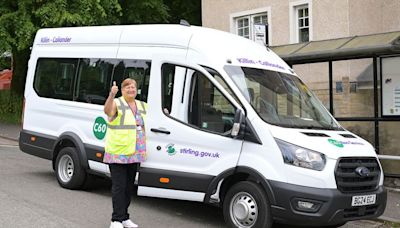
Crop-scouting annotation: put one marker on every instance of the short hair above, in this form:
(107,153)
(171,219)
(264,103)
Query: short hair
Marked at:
(127,82)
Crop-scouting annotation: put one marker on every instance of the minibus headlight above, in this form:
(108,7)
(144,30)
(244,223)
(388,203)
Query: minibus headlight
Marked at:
(301,157)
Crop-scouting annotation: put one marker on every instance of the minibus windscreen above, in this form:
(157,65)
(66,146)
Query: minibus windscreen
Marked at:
(281,99)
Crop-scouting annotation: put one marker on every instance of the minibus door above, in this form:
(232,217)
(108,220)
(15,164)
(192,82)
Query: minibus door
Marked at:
(189,132)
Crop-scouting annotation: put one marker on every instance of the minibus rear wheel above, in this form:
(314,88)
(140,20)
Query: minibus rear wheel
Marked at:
(246,205)
(70,174)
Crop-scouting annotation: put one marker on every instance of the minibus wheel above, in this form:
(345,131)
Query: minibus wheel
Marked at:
(70,174)
(246,205)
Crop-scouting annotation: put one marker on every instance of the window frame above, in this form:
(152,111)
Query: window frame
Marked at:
(302,20)
(294,20)
(250,15)
(339,87)
(59,61)
(243,28)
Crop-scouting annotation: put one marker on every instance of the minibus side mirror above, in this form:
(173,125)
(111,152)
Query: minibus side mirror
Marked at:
(237,123)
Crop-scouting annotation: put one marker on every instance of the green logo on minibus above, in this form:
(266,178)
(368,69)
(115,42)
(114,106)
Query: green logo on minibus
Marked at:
(336,143)
(170,149)
(100,128)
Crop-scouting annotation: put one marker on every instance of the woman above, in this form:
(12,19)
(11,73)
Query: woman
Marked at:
(125,147)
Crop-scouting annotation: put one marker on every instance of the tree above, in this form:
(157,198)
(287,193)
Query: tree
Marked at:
(19,21)
(189,10)
(143,12)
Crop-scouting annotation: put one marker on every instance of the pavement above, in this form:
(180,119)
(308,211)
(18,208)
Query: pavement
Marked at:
(10,132)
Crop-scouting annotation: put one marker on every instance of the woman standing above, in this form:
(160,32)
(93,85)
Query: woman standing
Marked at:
(125,147)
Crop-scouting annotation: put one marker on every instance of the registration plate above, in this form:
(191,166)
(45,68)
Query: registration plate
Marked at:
(363,200)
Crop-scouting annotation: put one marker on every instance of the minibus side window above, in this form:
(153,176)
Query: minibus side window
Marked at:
(168,77)
(93,81)
(54,78)
(173,89)
(211,110)
(189,97)
(139,70)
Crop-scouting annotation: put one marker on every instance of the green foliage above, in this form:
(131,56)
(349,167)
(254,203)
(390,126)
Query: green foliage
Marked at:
(144,12)
(5,63)
(10,107)
(19,20)
(391,224)
(190,10)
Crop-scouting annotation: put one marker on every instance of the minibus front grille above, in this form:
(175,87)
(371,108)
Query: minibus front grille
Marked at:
(349,179)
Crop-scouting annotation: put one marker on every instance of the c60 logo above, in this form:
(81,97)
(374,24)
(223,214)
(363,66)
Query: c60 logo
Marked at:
(100,128)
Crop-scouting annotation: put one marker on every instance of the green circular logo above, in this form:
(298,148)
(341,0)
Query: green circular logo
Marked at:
(100,128)
(335,142)
(170,149)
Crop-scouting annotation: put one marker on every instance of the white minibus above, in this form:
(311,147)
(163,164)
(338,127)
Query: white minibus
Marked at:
(229,123)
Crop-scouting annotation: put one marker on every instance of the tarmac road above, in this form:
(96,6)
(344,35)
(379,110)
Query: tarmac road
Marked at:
(31,197)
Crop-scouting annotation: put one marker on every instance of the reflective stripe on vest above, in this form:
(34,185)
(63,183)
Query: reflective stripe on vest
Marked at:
(123,109)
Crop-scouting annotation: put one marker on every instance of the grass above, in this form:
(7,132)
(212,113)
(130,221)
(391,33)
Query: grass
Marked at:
(391,224)
(10,107)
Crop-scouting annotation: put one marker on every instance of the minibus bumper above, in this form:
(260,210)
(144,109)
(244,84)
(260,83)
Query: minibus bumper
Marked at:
(322,206)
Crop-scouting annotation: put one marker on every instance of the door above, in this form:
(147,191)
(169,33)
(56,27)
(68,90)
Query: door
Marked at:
(188,128)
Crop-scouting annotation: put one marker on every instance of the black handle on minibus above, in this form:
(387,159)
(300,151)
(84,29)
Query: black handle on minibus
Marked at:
(160,131)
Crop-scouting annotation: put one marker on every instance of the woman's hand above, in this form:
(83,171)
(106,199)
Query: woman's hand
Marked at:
(114,89)
(110,108)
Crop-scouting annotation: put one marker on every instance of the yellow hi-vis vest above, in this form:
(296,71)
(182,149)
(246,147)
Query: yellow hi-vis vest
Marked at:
(121,132)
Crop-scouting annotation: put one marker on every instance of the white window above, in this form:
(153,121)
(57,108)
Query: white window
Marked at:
(303,26)
(301,21)
(252,25)
(243,27)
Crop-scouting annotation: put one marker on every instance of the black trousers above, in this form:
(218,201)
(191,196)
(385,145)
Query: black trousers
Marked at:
(122,177)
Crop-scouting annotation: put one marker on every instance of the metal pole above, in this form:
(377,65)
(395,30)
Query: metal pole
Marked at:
(330,88)
(376,111)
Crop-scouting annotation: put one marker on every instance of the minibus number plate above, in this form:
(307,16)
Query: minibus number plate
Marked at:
(363,200)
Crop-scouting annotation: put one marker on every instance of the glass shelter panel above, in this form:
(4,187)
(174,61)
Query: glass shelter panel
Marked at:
(389,139)
(364,129)
(316,77)
(354,92)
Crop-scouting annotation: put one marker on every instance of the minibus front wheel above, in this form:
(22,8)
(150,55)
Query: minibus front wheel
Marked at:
(70,174)
(246,205)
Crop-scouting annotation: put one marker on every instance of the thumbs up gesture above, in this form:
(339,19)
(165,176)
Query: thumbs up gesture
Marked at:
(114,89)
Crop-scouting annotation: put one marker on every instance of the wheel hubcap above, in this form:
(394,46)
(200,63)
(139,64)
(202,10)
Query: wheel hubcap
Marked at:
(66,168)
(243,210)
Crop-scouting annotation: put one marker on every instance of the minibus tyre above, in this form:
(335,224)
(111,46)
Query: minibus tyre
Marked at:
(70,174)
(246,205)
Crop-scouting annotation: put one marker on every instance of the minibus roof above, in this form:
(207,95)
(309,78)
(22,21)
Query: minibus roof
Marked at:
(218,47)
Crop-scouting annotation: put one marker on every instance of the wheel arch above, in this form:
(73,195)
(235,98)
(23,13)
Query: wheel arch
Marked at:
(70,139)
(235,175)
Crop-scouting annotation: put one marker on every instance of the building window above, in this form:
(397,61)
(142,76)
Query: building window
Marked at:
(353,87)
(260,19)
(252,24)
(253,27)
(243,27)
(300,13)
(339,87)
(303,23)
